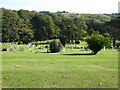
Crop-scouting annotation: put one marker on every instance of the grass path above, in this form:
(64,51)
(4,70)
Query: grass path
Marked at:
(23,69)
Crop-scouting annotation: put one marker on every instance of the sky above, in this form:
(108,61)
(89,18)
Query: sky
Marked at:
(73,6)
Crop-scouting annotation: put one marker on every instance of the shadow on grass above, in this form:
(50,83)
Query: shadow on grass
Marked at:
(74,53)
(49,52)
(44,52)
(80,54)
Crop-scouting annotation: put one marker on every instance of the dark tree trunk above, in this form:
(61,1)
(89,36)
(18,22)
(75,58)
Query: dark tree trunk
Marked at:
(114,43)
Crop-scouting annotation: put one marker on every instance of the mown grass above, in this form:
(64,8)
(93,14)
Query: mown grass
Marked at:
(69,69)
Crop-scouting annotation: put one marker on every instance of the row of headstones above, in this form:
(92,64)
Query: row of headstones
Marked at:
(73,47)
(84,48)
(30,45)
(9,48)
(6,49)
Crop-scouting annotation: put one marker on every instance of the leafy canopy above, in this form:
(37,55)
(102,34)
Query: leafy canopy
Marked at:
(96,42)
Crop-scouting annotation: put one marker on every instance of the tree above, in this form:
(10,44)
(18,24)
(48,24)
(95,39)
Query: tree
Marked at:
(73,28)
(66,27)
(96,25)
(63,40)
(10,26)
(96,42)
(80,30)
(57,17)
(44,27)
(25,32)
(114,29)
(16,27)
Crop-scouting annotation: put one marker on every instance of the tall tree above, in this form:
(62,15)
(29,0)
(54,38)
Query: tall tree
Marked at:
(26,32)
(81,27)
(10,26)
(44,27)
(114,29)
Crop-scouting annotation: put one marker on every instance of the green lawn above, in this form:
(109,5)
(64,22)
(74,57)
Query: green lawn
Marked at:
(69,69)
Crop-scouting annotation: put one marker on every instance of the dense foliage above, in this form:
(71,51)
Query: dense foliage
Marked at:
(96,42)
(114,29)
(26,26)
(55,46)
(16,26)
(63,40)
(44,27)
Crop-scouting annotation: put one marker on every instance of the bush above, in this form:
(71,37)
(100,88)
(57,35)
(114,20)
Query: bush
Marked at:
(77,42)
(55,46)
(4,49)
(96,42)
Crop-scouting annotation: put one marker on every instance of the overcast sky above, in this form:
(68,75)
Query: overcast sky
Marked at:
(77,6)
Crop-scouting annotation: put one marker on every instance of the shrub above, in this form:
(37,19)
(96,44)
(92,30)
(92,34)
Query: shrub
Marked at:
(77,42)
(55,46)
(4,49)
(96,42)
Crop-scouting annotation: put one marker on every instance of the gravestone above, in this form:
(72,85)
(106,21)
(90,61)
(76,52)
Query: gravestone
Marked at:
(9,49)
(29,45)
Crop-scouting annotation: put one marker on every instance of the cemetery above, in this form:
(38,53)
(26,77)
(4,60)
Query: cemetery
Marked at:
(59,50)
(33,65)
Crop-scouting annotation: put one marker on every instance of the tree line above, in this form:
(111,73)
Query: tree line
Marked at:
(26,26)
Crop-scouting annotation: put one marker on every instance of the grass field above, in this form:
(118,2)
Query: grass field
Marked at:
(69,69)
